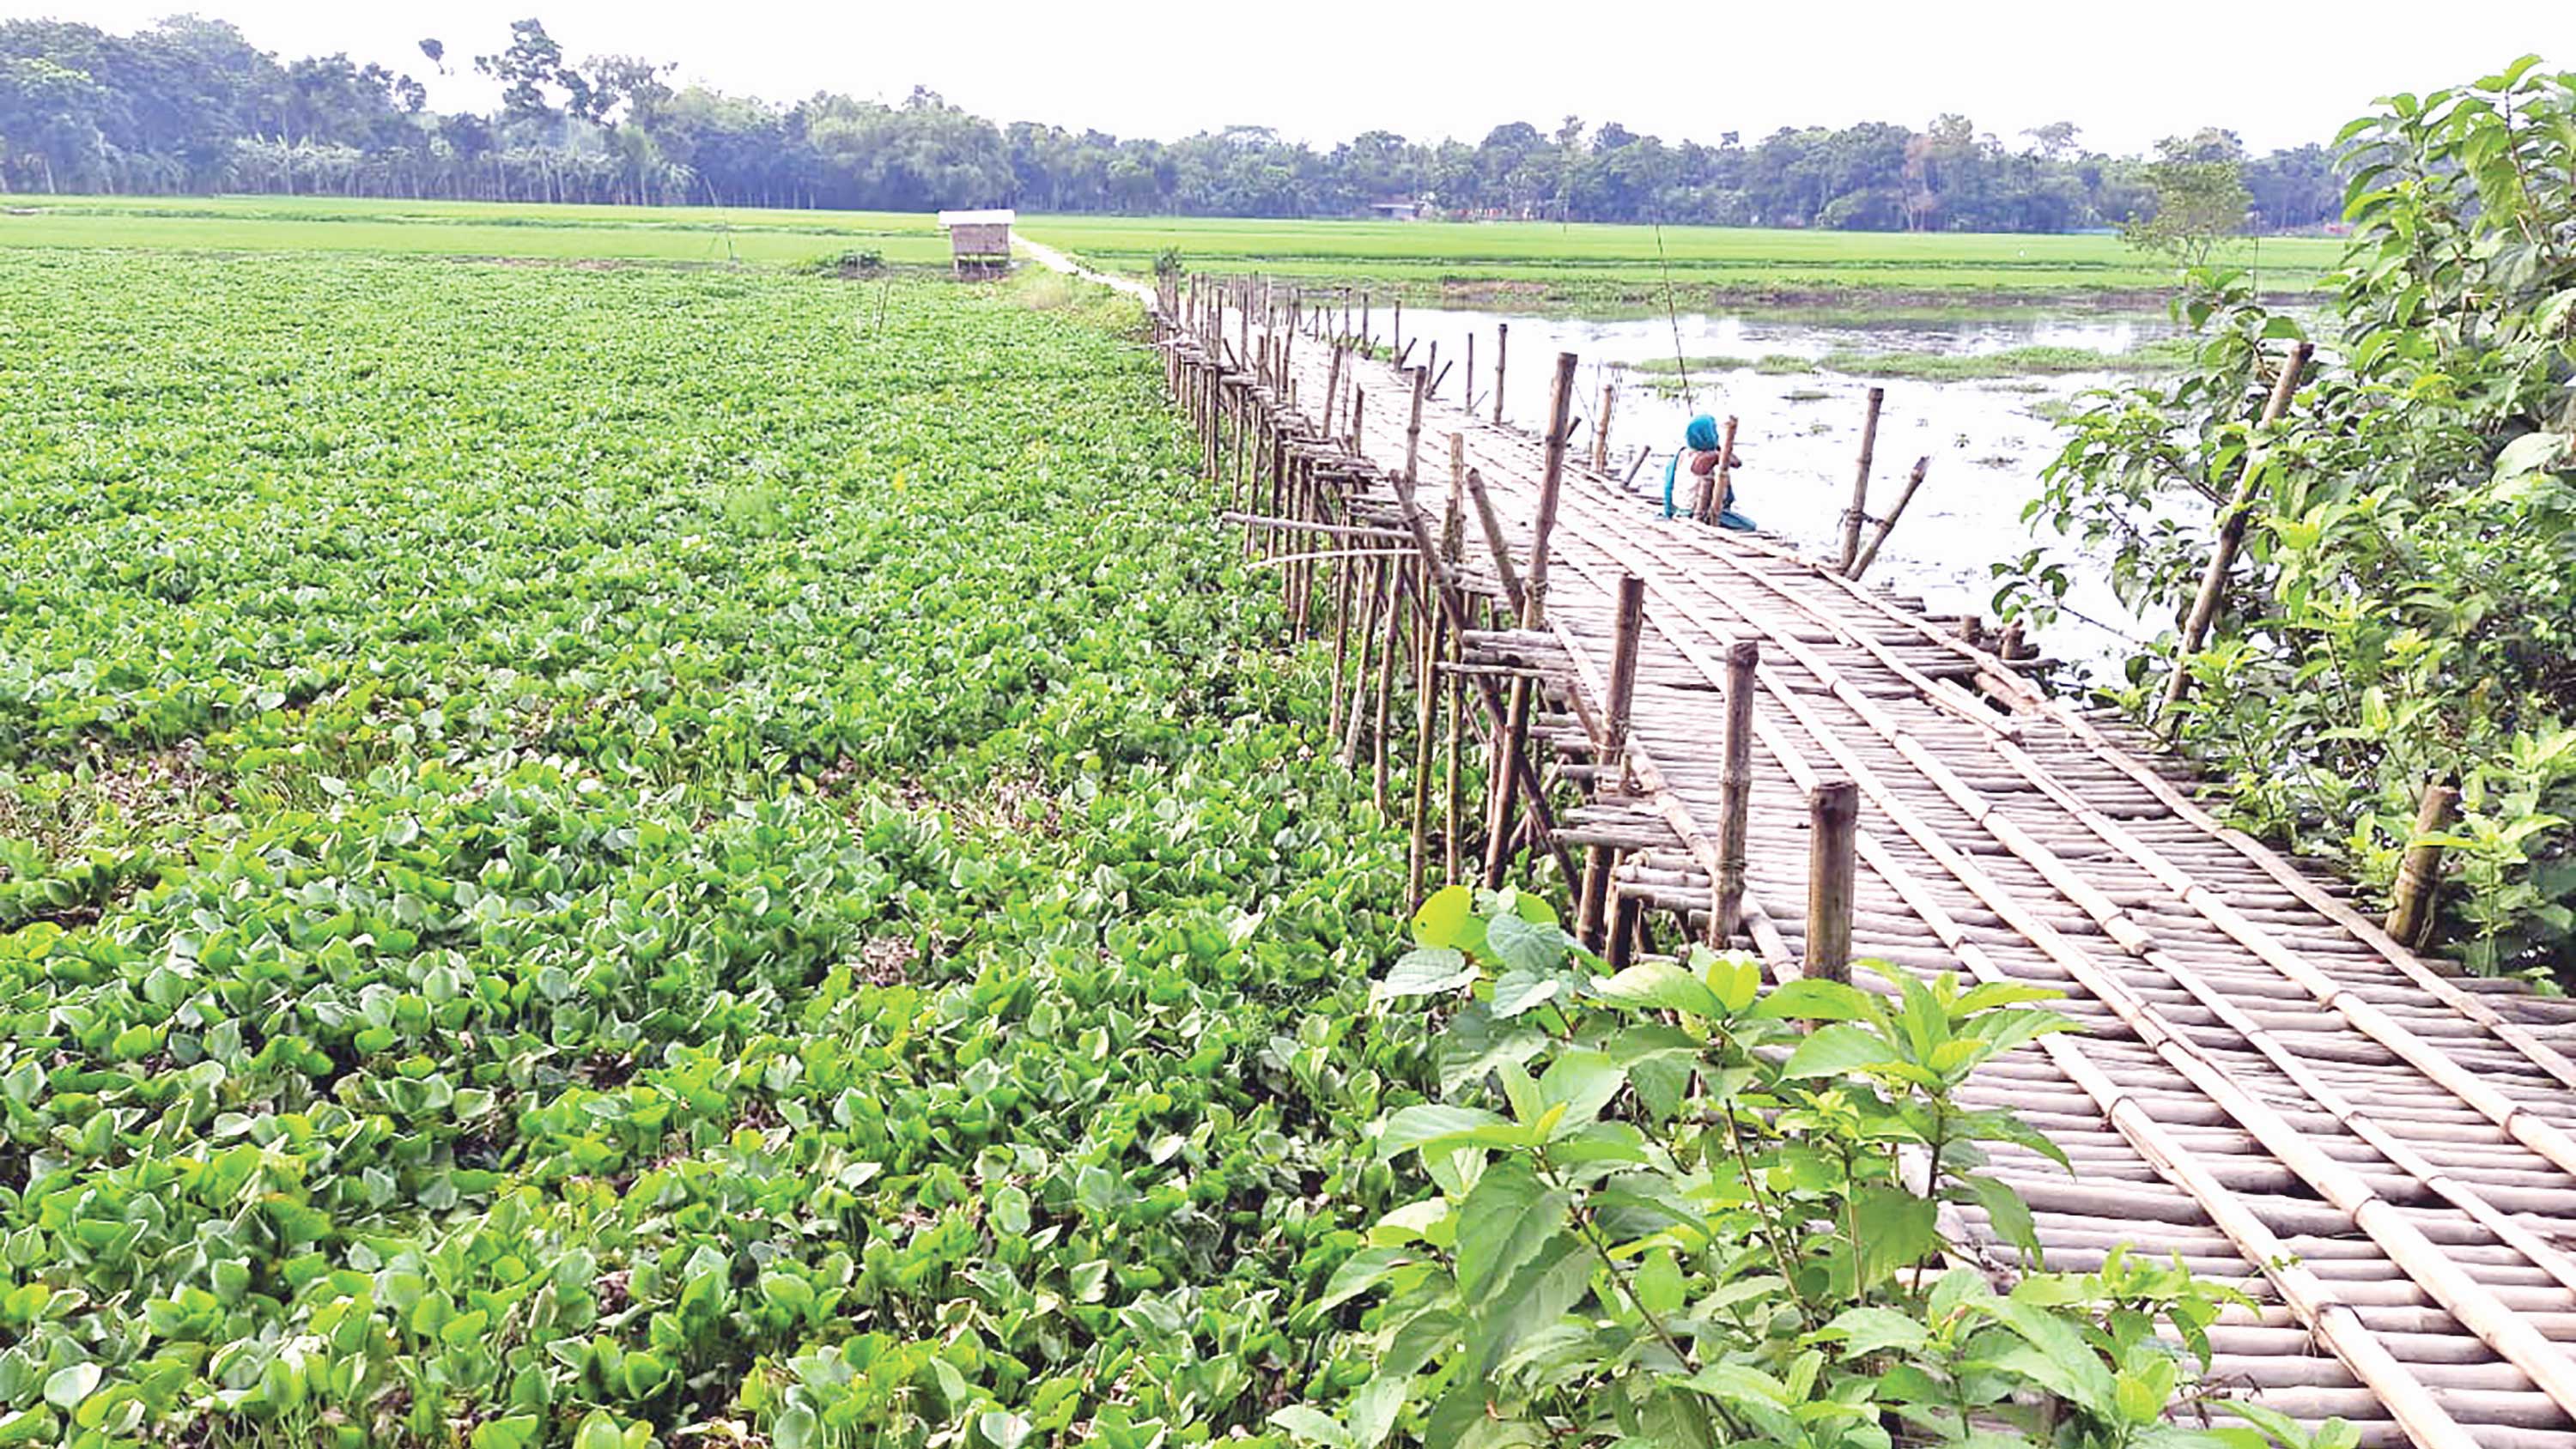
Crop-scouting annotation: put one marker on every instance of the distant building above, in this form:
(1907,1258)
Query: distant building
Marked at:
(1396,210)
(979,242)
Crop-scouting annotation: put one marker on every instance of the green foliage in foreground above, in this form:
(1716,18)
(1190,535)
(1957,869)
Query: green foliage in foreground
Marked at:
(1672,1208)
(2405,608)
(591,847)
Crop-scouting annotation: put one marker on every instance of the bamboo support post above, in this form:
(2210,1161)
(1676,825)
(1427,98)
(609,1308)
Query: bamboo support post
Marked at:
(1453,786)
(1426,708)
(1601,429)
(1502,345)
(1550,485)
(1887,525)
(1735,791)
(1332,389)
(1398,342)
(1833,816)
(1600,862)
(1356,718)
(1469,381)
(1413,431)
(1858,513)
(2419,876)
(2231,532)
(1397,579)
(1453,522)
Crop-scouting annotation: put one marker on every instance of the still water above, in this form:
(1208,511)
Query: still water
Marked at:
(1799,436)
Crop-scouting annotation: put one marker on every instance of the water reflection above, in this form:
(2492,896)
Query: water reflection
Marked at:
(1799,434)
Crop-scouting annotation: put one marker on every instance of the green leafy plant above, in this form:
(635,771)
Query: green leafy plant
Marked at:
(1672,1206)
(2404,609)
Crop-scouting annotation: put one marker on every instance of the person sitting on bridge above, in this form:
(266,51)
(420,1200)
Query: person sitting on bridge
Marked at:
(1700,440)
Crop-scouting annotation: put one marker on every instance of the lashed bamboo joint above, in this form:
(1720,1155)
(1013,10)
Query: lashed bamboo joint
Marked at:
(2268,1085)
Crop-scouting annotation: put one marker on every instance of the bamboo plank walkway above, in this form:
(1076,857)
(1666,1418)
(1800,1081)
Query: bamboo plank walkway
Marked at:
(2381,1155)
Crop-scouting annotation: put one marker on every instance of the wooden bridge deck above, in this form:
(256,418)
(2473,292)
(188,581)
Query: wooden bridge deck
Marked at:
(2383,1156)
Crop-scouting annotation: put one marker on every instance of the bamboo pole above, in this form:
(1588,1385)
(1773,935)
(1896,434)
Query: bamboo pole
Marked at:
(1855,515)
(1711,498)
(1887,525)
(2419,876)
(1332,389)
(1735,792)
(2231,532)
(1413,431)
(1453,522)
(1500,552)
(1502,346)
(1454,785)
(1550,486)
(1600,862)
(1601,429)
(1356,719)
(1398,343)
(1426,708)
(1468,382)
(1397,583)
(1834,813)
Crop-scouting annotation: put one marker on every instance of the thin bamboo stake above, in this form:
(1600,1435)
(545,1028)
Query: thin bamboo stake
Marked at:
(1454,786)
(1854,516)
(1341,645)
(1887,525)
(1426,704)
(1332,390)
(1468,382)
(1356,719)
(1395,613)
(1601,429)
(1502,346)
(1735,792)
(2419,876)
(2231,532)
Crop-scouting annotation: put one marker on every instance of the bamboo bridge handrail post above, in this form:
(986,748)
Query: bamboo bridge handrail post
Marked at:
(2419,876)
(1833,815)
(1855,515)
(1502,348)
(1735,791)
(1601,862)
(2231,532)
(1550,489)
(1601,429)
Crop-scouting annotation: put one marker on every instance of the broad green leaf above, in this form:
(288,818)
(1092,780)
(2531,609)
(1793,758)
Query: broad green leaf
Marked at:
(1433,1125)
(1840,1049)
(1441,922)
(1505,1220)
(1312,1426)
(1871,1329)
(1811,999)
(1661,985)
(1518,991)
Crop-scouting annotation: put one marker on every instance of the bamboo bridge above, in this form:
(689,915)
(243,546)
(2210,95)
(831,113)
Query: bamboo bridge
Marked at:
(1693,724)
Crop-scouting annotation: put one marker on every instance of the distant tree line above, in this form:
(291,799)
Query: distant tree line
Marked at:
(190,105)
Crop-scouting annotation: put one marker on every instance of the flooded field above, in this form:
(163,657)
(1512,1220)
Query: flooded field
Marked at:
(1799,433)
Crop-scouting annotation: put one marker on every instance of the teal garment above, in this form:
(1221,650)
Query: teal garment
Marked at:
(1700,437)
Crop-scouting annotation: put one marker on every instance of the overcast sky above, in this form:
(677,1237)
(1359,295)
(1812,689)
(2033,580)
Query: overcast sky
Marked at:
(1321,70)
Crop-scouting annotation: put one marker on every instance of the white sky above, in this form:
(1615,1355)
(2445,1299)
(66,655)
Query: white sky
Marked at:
(1321,70)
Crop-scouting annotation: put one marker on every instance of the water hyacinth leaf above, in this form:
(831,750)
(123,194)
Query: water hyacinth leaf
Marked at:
(1312,1426)
(1430,971)
(1519,991)
(66,1388)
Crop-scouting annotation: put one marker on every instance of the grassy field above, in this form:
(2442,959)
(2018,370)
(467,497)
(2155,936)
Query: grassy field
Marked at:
(602,850)
(1541,263)
(468,228)
(1529,265)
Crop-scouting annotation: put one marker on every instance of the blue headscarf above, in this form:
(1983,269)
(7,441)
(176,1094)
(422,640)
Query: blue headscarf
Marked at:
(1700,436)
